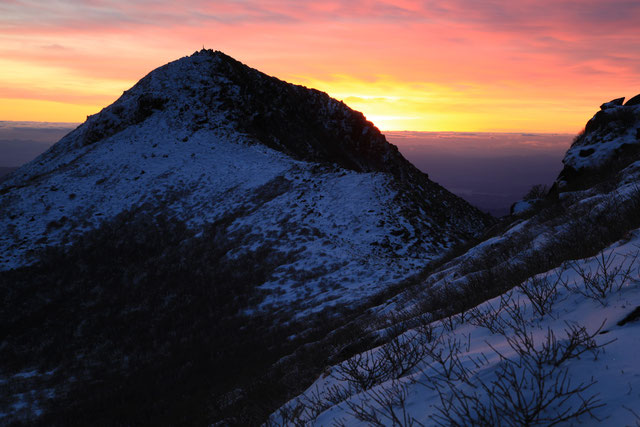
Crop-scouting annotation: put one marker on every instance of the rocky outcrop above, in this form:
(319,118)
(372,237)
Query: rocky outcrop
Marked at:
(613,103)
(610,141)
(633,101)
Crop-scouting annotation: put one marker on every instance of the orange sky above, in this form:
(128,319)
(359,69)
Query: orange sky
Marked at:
(456,65)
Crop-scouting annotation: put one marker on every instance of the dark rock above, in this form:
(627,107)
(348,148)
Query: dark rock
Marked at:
(568,174)
(596,121)
(554,192)
(305,123)
(633,101)
(146,106)
(102,126)
(613,103)
(631,317)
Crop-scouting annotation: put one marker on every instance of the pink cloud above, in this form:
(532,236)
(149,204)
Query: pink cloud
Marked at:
(532,49)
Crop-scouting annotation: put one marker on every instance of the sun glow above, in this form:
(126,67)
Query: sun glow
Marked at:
(394,105)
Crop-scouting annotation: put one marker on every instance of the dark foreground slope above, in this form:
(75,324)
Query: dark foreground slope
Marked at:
(192,253)
(146,330)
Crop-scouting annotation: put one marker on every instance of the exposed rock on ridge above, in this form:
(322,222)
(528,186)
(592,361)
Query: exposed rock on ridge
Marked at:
(610,141)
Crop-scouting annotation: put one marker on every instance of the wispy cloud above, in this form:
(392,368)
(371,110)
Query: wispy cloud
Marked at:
(523,51)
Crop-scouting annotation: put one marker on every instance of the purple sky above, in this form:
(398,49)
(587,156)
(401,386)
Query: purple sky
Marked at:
(490,170)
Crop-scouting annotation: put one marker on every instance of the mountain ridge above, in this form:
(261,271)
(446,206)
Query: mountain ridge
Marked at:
(244,97)
(195,96)
(173,237)
(527,325)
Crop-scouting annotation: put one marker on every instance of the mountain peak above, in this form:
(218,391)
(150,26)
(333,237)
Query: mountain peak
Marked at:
(209,89)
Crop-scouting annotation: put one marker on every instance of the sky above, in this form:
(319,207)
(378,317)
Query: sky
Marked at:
(491,179)
(455,65)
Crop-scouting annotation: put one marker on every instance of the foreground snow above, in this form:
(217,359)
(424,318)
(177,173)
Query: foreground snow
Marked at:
(567,353)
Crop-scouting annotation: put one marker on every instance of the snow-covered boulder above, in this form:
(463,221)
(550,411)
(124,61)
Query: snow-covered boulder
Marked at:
(522,206)
(610,142)
(613,103)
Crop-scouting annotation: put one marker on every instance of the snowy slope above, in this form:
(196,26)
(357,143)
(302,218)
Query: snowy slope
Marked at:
(474,359)
(534,324)
(561,335)
(207,139)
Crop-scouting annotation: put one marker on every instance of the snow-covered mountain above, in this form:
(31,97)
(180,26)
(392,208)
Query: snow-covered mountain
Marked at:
(209,222)
(207,138)
(534,324)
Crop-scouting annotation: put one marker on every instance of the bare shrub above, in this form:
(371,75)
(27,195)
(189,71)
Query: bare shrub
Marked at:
(288,415)
(317,401)
(553,351)
(577,342)
(515,318)
(542,292)
(635,415)
(363,371)
(531,388)
(538,397)
(384,406)
(393,360)
(404,353)
(605,278)
(538,191)
(491,317)
(427,329)
(446,362)
(521,393)
(460,408)
(453,321)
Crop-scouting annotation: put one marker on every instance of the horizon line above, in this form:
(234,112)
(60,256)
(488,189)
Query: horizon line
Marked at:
(383,131)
